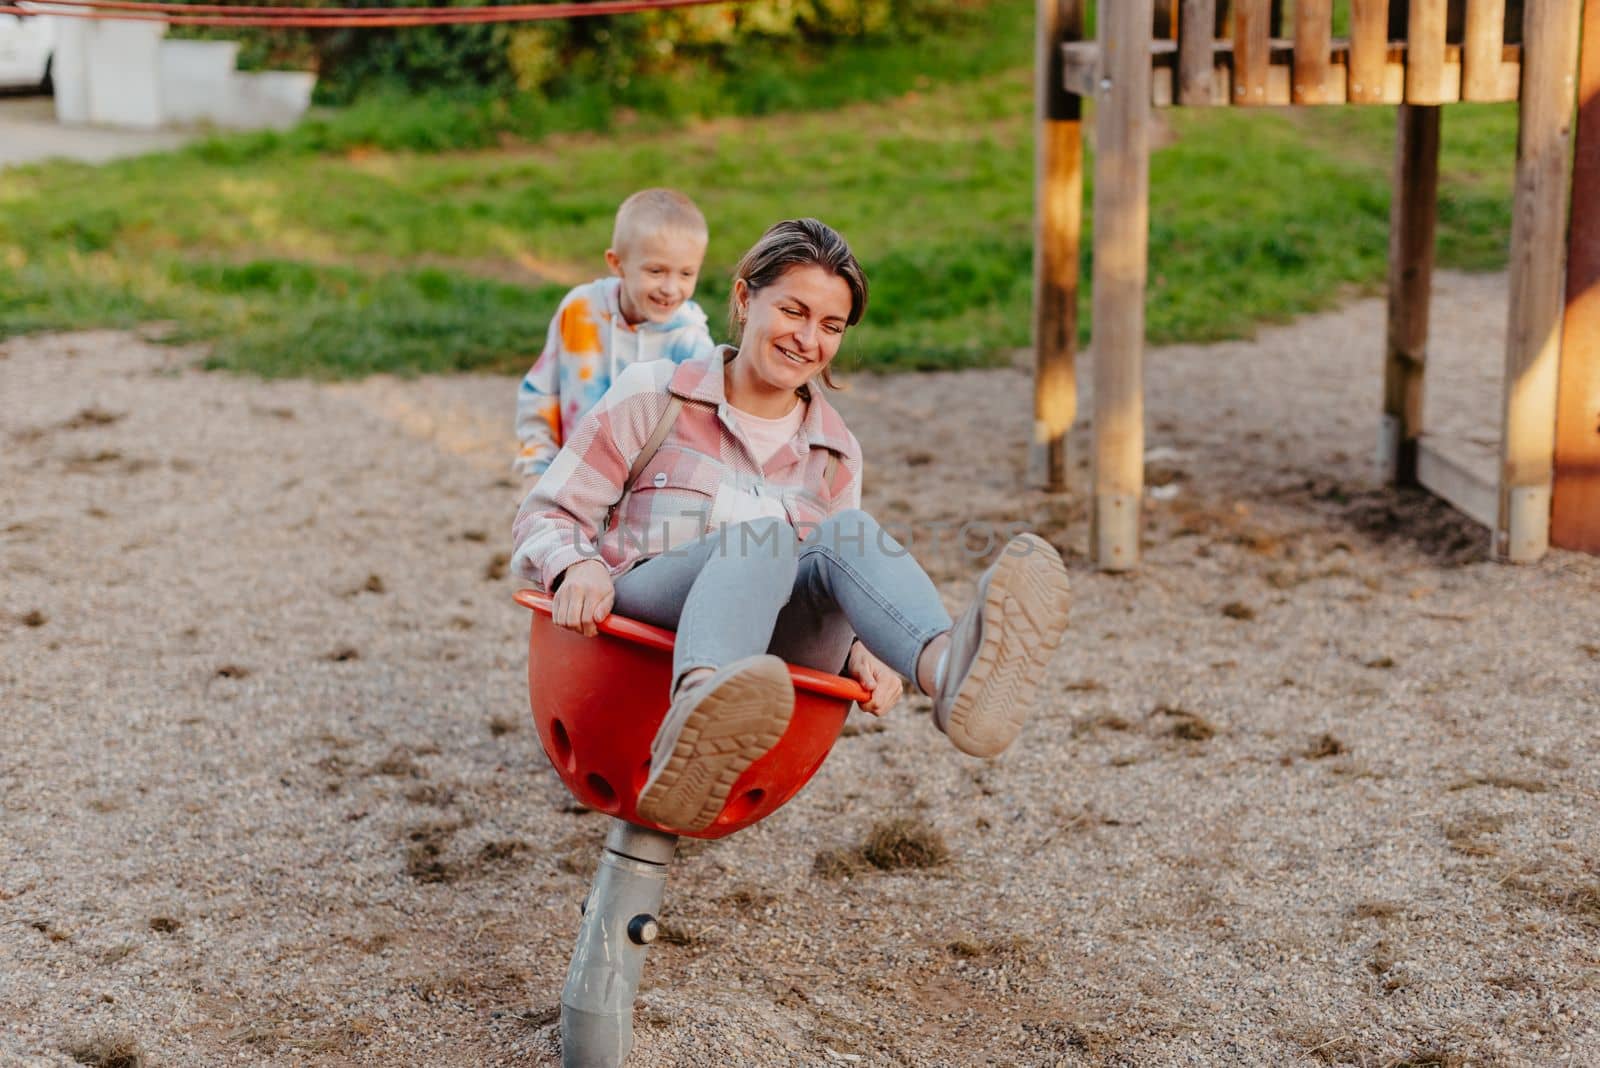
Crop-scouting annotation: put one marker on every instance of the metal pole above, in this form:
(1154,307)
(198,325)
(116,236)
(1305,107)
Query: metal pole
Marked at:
(619,923)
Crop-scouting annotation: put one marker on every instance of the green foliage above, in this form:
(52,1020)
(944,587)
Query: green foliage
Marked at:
(449,58)
(762,77)
(561,60)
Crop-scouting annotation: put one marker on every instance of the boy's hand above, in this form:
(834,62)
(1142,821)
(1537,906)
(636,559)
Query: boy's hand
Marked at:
(584,598)
(883,684)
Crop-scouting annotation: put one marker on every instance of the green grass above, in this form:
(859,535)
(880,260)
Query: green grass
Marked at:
(296,261)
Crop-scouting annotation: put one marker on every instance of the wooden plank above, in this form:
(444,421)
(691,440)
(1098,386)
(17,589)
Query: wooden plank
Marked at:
(1121,241)
(1058,222)
(1196,52)
(1252,51)
(1394,78)
(1425,52)
(1279,77)
(1337,83)
(1462,473)
(1412,214)
(1313,30)
(1575,496)
(1511,74)
(1369,50)
(1538,240)
(1483,37)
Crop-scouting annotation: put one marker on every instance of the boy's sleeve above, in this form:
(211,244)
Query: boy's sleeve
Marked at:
(539,406)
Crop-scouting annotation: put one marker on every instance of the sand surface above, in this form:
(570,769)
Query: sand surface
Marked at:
(1318,784)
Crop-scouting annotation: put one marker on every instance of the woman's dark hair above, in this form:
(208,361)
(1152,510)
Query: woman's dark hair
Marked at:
(799,243)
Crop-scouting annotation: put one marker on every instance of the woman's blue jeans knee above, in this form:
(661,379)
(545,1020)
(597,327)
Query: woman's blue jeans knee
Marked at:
(802,594)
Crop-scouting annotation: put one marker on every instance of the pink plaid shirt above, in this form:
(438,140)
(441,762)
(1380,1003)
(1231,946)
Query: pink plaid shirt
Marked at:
(690,485)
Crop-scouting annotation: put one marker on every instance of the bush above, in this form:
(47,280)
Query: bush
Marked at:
(562,59)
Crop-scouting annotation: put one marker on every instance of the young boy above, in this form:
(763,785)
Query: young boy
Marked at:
(644,312)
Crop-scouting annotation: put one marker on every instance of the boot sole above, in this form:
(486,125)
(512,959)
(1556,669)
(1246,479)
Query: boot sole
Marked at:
(1024,619)
(732,727)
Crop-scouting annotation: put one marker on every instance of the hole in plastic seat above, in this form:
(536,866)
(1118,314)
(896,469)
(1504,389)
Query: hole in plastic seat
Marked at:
(603,793)
(563,746)
(742,806)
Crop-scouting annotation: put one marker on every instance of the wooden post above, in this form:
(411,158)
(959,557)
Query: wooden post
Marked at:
(1313,30)
(1425,36)
(1482,48)
(1197,52)
(1252,51)
(1369,50)
(1538,241)
(1575,501)
(1058,208)
(1412,212)
(1121,240)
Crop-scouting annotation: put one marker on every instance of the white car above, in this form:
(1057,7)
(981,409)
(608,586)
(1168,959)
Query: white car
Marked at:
(27,45)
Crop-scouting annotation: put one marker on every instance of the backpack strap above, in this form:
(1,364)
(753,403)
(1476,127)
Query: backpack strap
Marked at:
(657,436)
(652,444)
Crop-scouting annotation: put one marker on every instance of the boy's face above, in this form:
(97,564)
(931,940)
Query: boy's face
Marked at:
(658,273)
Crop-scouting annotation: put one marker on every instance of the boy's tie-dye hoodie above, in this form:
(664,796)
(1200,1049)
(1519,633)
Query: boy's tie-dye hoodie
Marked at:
(588,345)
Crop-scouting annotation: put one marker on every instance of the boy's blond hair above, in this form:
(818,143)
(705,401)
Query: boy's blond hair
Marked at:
(651,210)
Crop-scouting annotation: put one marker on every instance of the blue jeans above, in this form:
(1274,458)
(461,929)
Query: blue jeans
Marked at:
(758,587)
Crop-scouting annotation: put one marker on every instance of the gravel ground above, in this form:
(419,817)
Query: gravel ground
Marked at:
(1316,785)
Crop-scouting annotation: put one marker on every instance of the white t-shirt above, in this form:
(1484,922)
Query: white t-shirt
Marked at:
(766,437)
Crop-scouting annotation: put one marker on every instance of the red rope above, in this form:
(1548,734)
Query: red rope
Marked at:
(334,18)
(282,9)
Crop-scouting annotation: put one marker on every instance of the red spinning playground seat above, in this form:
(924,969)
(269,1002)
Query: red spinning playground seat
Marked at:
(598,702)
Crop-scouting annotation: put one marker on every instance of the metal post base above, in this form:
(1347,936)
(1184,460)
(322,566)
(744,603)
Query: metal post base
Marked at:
(619,923)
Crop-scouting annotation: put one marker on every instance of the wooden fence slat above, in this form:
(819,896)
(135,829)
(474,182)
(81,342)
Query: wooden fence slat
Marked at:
(1313,30)
(1575,501)
(1058,206)
(1425,53)
(1369,50)
(1538,233)
(1121,243)
(1252,51)
(1483,37)
(1412,213)
(1196,48)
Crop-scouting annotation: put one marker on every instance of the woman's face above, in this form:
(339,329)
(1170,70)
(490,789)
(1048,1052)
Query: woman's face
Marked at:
(793,327)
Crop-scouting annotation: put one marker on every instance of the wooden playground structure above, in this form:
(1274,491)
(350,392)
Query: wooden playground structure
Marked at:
(1542,486)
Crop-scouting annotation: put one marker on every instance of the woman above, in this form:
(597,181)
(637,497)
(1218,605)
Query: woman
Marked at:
(721,498)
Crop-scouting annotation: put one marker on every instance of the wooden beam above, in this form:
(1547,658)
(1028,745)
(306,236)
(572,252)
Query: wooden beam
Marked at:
(1461,473)
(1252,51)
(1369,50)
(1483,40)
(1058,225)
(1197,52)
(1313,30)
(1412,213)
(1538,241)
(1575,497)
(1121,241)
